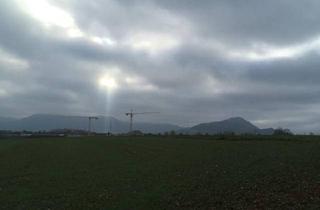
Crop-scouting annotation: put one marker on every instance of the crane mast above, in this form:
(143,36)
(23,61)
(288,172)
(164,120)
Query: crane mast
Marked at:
(131,114)
(89,125)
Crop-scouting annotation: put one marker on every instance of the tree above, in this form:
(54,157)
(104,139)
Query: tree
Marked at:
(282,132)
(172,133)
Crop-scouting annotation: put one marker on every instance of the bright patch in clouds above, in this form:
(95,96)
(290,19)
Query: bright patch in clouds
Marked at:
(47,14)
(53,17)
(261,51)
(152,42)
(12,62)
(103,41)
(3,93)
(113,78)
(50,16)
(108,82)
(139,84)
(264,52)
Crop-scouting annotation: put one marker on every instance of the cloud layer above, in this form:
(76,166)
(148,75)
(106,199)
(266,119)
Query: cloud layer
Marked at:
(193,61)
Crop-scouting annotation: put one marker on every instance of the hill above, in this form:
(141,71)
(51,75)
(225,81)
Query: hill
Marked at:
(235,125)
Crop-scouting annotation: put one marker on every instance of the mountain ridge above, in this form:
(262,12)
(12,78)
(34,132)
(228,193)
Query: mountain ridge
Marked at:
(37,122)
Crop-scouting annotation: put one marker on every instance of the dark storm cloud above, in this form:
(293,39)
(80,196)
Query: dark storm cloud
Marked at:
(193,61)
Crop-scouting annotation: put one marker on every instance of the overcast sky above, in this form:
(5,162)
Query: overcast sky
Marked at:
(192,61)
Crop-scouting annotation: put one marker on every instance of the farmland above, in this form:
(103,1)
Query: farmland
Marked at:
(160,173)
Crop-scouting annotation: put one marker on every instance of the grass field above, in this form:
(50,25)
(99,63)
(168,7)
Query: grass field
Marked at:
(159,173)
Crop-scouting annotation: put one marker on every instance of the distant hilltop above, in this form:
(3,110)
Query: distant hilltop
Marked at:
(236,125)
(40,122)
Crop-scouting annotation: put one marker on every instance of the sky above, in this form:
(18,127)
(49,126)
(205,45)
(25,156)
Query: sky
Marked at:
(192,61)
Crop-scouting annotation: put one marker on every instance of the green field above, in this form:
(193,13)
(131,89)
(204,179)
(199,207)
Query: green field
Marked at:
(159,173)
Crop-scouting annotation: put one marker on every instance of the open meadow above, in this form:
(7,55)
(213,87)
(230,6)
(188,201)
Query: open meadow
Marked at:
(160,173)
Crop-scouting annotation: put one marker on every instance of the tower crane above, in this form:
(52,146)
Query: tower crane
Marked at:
(89,126)
(131,114)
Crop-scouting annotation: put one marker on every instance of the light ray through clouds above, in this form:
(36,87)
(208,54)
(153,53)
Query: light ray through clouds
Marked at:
(108,84)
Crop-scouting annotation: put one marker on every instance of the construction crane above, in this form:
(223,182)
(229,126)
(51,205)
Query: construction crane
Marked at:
(89,126)
(108,132)
(131,114)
